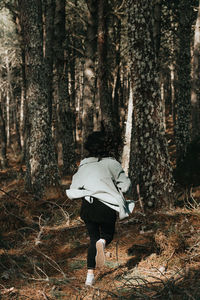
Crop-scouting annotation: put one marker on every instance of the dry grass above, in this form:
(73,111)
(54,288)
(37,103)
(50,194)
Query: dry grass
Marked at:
(44,243)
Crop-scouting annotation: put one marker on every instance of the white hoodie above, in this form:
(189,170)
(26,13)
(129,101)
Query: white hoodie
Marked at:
(103,179)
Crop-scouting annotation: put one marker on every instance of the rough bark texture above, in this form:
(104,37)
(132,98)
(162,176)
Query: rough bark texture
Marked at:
(23,104)
(65,124)
(42,171)
(49,15)
(183,104)
(195,99)
(104,93)
(89,71)
(157,6)
(149,162)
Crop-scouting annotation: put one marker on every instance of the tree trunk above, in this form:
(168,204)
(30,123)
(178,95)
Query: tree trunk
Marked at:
(42,171)
(73,56)
(103,70)
(19,107)
(23,104)
(127,145)
(65,115)
(183,101)
(117,76)
(8,100)
(195,96)
(16,113)
(23,110)
(49,14)
(149,162)
(157,6)
(3,147)
(89,72)
(73,89)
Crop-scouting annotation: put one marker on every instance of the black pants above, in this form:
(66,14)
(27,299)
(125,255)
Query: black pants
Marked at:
(96,231)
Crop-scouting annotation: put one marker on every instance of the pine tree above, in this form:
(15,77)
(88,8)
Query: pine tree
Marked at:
(65,119)
(42,171)
(89,71)
(195,98)
(103,69)
(183,64)
(150,165)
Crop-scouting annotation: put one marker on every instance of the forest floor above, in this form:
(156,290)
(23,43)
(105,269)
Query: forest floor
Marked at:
(43,248)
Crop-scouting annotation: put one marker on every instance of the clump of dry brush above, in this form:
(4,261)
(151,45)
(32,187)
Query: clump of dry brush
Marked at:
(184,285)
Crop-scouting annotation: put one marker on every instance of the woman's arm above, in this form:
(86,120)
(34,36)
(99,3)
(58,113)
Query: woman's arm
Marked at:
(121,180)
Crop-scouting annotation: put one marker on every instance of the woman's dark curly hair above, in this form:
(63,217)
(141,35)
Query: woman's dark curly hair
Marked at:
(103,144)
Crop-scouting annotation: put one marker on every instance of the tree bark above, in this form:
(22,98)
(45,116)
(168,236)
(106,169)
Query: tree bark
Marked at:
(65,115)
(42,171)
(89,72)
(23,103)
(195,95)
(157,7)
(48,16)
(149,163)
(183,101)
(104,93)
(117,82)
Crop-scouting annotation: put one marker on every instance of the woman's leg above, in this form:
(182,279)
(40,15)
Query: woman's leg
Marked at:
(100,234)
(107,231)
(94,234)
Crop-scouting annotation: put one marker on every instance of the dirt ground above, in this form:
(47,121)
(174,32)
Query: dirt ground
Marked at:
(44,243)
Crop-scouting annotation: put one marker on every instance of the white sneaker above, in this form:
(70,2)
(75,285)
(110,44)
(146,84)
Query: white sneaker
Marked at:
(100,256)
(89,279)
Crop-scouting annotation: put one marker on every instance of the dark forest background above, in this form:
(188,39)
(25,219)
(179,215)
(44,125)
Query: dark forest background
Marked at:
(68,68)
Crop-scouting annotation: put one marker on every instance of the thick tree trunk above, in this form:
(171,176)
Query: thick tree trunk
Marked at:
(42,171)
(195,98)
(150,165)
(183,101)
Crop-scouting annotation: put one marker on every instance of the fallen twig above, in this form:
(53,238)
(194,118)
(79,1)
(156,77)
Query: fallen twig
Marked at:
(38,238)
(50,260)
(16,198)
